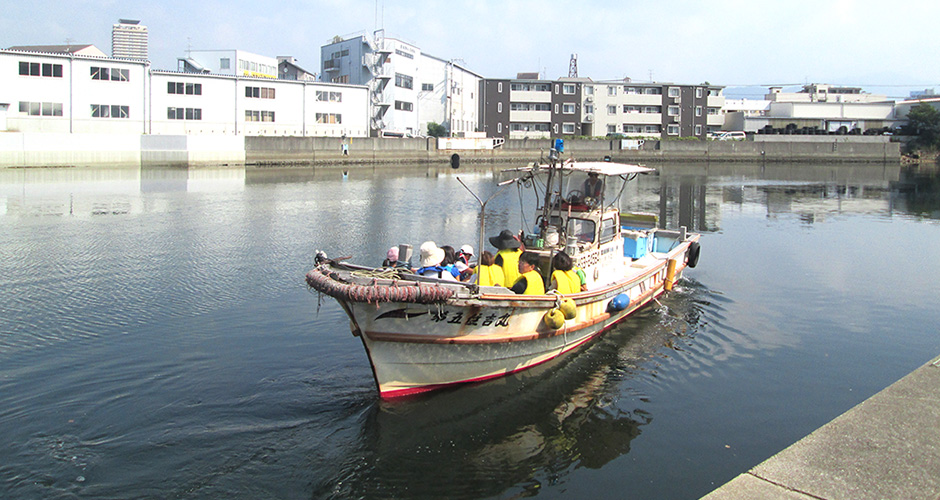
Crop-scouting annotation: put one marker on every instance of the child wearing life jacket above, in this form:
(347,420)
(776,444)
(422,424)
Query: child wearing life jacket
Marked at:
(488,273)
(564,279)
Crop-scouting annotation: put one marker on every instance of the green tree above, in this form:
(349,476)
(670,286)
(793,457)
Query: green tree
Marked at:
(923,122)
(436,129)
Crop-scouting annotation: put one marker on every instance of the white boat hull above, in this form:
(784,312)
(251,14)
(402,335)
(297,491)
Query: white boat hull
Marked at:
(415,348)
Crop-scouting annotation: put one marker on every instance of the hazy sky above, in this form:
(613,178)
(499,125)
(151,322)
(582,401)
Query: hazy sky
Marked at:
(885,47)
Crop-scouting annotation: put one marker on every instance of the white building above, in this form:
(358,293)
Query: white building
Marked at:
(68,93)
(817,109)
(229,62)
(129,40)
(408,88)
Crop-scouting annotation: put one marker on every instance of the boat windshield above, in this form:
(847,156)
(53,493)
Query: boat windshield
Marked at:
(583,229)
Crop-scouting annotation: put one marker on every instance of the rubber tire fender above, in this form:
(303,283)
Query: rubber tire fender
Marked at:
(695,250)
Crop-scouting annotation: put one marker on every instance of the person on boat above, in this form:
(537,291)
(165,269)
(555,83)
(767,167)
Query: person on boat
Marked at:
(488,273)
(463,262)
(431,259)
(530,281)
(581,277)
(593,186)
(564,279)
(508,255)
(391,258)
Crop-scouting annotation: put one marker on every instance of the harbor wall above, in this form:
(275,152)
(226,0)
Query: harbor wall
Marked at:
(24,149)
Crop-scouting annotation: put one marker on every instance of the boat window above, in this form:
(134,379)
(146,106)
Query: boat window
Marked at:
(608,230)
(583,229)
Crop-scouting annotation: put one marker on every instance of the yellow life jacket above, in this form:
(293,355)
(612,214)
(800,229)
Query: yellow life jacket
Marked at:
(566,281)
(534,284)
(491,276)
(510,264)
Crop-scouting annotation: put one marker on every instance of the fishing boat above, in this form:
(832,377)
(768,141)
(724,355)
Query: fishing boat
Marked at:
(423,333)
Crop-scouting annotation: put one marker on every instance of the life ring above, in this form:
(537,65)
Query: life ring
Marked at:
(695,251)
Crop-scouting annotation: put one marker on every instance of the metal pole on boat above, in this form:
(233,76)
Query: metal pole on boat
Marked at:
(483,209)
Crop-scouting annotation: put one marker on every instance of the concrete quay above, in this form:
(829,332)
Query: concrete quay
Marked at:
(887,447)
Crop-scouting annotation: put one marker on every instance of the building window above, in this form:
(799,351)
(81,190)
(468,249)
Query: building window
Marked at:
(630,109)
(340,79)
(713,111)
(673,91)
(567,108)
(259,92)
(673,111)
(334,118)
(611,90)
(698,130)
(259,116)
(531,87)
(404,81)
(184,113)
(499,126)
(672,130)
(183,88)
(569,88)
(113,74)
(397,51)
(567,128)
(698,92)
(41,108)
(40,69)
(611,109)
(556,109)
(652,109)
(225,63)
(629,90)
(653,91)
(499,107)
(529,106)
(427,87)
(588,108)
(499,88)
(698,111)
(109,111)
(652,129)
(555,128)
(326,96)
(588,90)
(404,106)
(556,88)
(611,129)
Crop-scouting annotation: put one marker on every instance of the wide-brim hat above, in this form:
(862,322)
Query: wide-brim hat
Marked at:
(505,240)
(431,255)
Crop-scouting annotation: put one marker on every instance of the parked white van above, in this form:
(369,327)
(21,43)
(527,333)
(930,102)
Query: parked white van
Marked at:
(733,136)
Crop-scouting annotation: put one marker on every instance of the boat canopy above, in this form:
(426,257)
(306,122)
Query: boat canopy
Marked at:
(598,167)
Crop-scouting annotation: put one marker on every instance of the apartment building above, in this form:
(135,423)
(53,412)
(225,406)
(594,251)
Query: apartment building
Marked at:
(655,110)
(527,107)
(408,88)
(530,108)
(69,93)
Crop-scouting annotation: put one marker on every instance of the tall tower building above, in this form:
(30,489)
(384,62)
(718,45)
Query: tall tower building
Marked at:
(129,39)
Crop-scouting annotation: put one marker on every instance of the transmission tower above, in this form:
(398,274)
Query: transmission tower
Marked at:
(573,66)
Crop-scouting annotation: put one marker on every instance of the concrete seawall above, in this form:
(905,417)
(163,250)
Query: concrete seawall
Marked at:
(298,150)
(50,150)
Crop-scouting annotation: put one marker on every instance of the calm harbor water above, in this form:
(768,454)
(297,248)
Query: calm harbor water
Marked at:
(157,339)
